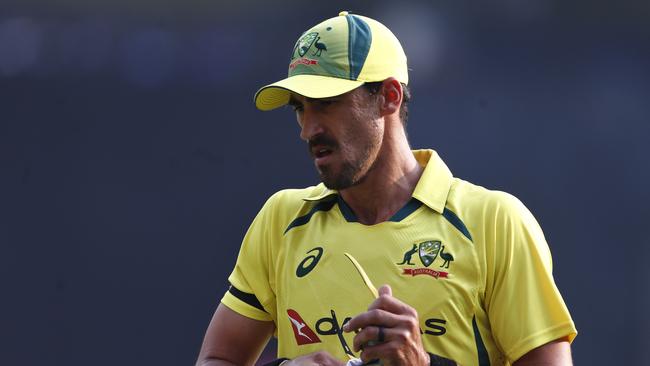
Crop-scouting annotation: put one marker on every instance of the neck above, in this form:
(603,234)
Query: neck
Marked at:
(389,184)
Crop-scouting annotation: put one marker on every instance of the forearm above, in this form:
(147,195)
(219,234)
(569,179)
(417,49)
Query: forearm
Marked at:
(232,339)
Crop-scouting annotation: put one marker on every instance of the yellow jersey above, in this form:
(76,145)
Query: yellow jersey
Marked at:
(474,263)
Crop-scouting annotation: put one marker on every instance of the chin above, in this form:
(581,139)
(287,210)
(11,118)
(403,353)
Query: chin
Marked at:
(338,183)
(347,177)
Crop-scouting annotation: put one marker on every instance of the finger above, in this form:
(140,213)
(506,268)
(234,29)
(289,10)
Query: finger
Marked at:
(379,351)
(374,317)
(322,358)
(385,290)
(369,336)
(392,304)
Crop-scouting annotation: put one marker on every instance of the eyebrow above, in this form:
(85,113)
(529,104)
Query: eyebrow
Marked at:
(294,101)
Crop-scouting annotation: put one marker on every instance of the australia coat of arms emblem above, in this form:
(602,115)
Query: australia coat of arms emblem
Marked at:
(428,252)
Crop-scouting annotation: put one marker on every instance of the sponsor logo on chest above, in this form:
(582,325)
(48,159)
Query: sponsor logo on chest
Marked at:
(429,252)
(332,326)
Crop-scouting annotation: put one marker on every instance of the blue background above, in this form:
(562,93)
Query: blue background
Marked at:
(132,158)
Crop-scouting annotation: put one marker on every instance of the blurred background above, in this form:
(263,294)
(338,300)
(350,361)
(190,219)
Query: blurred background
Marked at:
(132,159)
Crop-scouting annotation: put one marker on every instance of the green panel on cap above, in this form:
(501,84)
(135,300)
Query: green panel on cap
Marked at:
(360,37)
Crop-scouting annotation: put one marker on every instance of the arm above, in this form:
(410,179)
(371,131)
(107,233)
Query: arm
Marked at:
(233,339)
(556,353)
(537,328)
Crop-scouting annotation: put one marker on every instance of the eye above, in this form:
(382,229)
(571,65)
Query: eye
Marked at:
(324,103)
(296,107)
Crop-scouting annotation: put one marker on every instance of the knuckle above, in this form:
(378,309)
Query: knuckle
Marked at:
(412,323)
(411,311)
(393,348)
(369,333)
(403,335)
(384,298)
(374,314)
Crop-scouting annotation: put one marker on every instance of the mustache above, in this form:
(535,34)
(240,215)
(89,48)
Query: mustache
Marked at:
(321,140)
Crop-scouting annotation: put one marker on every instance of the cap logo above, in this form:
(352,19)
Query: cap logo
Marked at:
(320,47)
(304,44)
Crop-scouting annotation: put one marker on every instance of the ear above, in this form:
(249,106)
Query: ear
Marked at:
(392,94)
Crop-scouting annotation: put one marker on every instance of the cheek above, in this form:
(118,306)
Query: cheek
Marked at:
(362,140)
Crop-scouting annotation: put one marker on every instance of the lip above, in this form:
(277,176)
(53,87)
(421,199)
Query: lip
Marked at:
(324,159)
(315,149)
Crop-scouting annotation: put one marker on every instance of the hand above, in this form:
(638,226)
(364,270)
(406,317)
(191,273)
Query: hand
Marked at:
(402,344)
(320,358)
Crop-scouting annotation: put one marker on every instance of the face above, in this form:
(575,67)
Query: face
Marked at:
(344,135)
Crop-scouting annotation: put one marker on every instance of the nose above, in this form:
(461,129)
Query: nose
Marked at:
(309,124)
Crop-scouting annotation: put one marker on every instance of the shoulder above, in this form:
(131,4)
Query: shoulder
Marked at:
(278,212)
(483,209)
(475,199)
(285,205)
(293,198)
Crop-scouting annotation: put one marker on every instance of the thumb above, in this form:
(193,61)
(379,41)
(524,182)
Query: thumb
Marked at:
(385,290)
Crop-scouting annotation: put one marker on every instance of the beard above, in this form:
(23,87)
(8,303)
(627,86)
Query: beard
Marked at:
(352,170)
(344,179)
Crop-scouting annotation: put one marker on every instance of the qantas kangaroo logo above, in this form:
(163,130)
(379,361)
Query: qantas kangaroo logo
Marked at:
(304,334)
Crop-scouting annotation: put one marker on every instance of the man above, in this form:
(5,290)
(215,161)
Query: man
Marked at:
(467,270)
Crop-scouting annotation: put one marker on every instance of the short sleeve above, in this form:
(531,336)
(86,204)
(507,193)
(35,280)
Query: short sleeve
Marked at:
(523,303)
(251,293)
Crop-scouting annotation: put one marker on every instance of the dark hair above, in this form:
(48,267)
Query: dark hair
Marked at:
(373,89)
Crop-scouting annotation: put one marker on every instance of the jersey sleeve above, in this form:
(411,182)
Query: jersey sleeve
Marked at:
(252,293)
(523,303)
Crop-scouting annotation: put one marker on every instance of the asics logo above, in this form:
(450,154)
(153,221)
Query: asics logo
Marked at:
(310,261)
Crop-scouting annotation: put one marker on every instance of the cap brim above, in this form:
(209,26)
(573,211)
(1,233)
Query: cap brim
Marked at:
(312,86)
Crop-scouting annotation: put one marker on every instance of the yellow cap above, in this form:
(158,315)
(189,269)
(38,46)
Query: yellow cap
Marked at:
(336,56)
